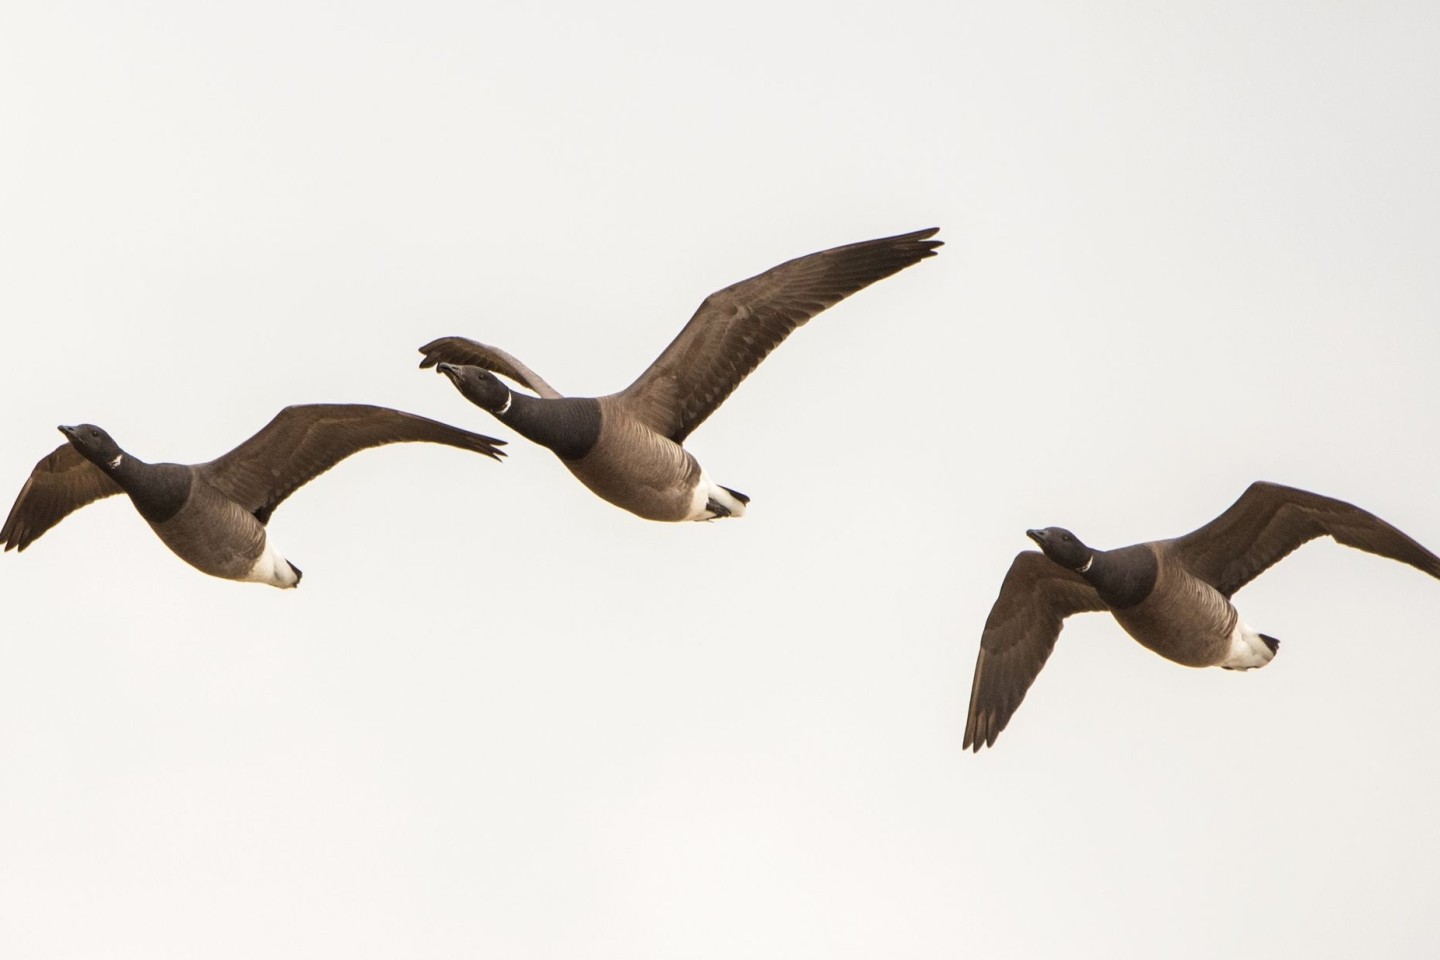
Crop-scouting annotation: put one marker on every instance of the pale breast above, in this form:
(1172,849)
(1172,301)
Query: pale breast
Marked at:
(1183,619)
(638,470)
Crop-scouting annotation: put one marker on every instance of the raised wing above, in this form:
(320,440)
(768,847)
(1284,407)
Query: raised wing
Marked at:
(59,485)
(737,327)
(462,352)
(303,442)
(1034,601)
(1269,521)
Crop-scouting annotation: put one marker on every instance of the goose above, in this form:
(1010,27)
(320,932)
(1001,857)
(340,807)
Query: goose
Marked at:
(213,515)
(627,446)
(1172,596)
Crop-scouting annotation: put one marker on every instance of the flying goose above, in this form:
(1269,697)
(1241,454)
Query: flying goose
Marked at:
(213,515)
(626,447)
(1173,596)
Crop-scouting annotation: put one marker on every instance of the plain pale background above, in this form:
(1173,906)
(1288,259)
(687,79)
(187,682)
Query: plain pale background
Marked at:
(1187,246)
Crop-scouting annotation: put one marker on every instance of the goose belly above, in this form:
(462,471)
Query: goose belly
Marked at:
(216,536)
(1184,620)
(642,472)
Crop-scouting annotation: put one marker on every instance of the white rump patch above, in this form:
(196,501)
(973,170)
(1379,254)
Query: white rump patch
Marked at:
(1247,650)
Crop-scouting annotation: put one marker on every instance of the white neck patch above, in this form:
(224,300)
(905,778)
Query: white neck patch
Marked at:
(116,462)
(1087,564)
(509,398)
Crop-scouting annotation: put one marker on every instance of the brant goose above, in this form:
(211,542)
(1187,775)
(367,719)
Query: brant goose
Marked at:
(213,515)
(1173,596)
(626,447)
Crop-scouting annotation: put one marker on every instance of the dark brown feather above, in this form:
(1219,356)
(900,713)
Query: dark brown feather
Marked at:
(61,483)
(737,327)
(1269,521)
(303,442)
(463,352)
(1035,598)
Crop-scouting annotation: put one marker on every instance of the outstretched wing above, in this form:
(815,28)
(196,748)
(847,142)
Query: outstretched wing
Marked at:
(462,352)
(737,327)
(59,485)
(303,442)
(1269,521)
(1035,598)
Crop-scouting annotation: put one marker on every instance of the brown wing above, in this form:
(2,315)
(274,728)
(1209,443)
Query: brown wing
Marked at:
(1269,521)
(737,327)
(59,485)
(462,352)
(303,442)
(1034,601)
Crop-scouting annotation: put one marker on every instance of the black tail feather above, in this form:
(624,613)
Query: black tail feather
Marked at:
(736,494)
(1271,642)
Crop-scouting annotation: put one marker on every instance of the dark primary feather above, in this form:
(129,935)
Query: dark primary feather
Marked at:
(463,352)
(735,328)
(1035,598)
(303,442)
(60,484)
(1269,521)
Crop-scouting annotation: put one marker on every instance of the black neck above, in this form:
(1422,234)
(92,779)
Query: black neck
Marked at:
(1122,577)
(569,426)
(158,490)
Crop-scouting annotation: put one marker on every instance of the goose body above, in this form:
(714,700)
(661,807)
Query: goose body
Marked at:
(627,447)
(1171,596)
(216,535)
(213,515)
(1178,615)
(619,458)
(638,470)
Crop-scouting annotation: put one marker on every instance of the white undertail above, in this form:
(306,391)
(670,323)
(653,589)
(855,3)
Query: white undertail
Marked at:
(1248,649)
(707,490)
(272,568)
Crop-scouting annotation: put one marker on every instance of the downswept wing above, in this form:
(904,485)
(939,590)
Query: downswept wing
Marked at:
(1035,598)
(61,483)
(463,352)
(303,442)
(1270,521)
(737,327)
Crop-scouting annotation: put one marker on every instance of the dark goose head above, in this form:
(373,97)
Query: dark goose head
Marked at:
(478,385)
(1062,546)
(94,445)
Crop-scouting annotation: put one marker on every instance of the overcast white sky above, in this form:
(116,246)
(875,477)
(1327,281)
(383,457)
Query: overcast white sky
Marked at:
(1188,246)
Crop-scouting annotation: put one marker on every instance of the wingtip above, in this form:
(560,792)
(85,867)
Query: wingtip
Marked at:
(429,360)
(920,243)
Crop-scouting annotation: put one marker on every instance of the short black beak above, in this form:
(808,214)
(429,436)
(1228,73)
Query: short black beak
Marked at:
(449,369)
(1037,535)
(68,431)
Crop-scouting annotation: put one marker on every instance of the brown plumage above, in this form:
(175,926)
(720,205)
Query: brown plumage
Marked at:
(213,515)
(628,449)
(1172,596)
